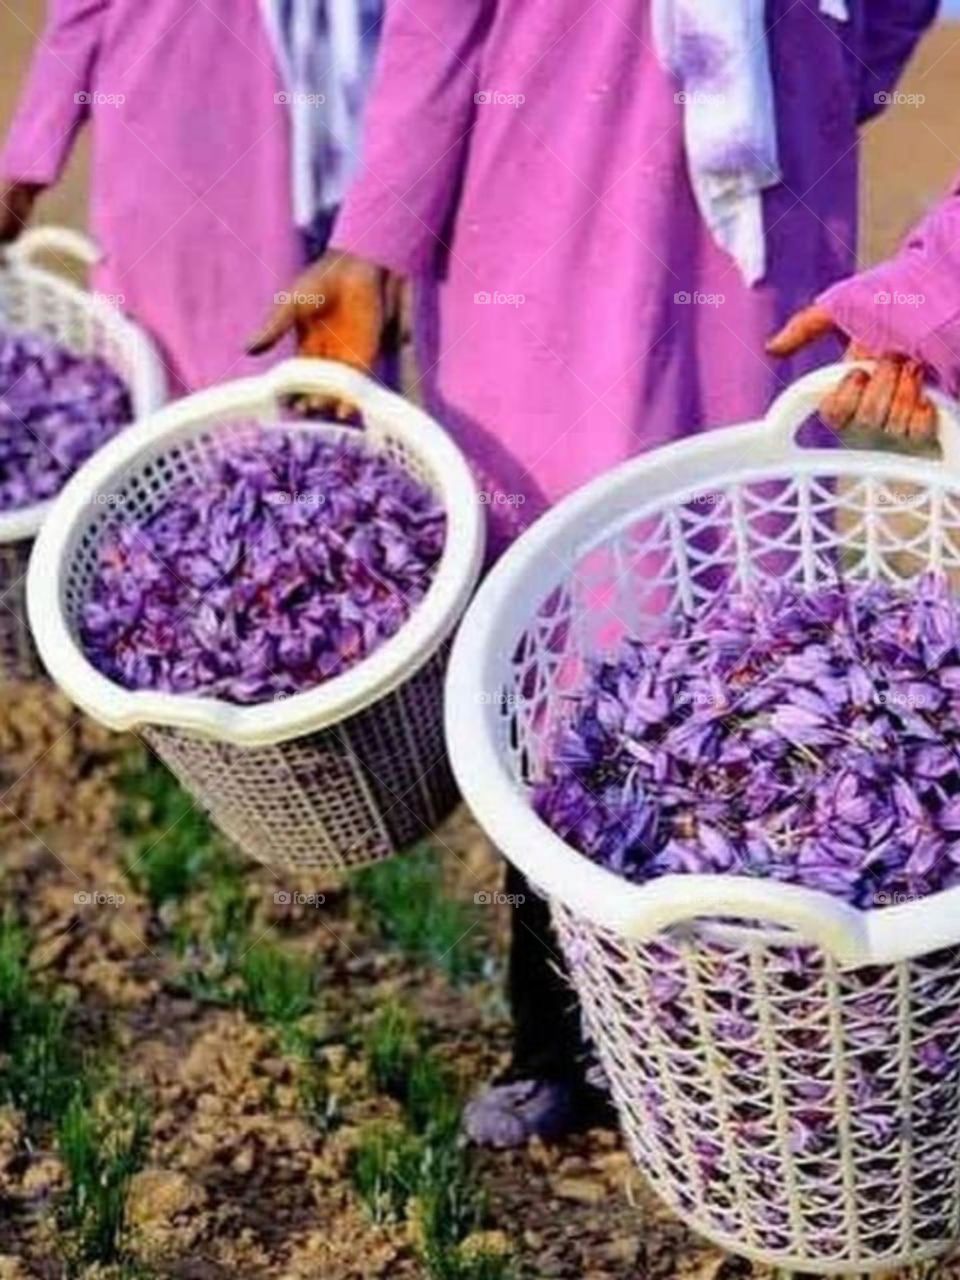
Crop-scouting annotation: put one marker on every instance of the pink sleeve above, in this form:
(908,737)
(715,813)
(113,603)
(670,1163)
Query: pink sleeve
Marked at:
(55,99)
(418,121)
(911,302)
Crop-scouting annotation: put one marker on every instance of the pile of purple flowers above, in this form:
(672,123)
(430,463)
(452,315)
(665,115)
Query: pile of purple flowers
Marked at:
(813,739)
(291,559)
(56,409)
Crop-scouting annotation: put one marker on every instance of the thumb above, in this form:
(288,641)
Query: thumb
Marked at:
(280,322)
(803,327)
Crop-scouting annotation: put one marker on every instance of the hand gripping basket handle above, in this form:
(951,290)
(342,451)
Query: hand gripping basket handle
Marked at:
(263,392)
(58,241)
(790,410)
(323,377)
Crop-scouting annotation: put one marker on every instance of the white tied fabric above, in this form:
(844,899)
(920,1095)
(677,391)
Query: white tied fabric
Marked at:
(719,52)
(325,50)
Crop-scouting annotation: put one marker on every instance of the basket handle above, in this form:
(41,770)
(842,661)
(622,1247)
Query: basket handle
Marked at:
(312,376)
(59,241)
(834,926)
(791,409)
(890,932)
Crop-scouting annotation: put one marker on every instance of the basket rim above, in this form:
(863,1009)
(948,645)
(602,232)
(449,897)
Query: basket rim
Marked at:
(147,382)
(332,701)
(527,572)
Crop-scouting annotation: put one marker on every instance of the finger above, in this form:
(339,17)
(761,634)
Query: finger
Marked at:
(306,404)
(280,322)
(841,407)
(393,289)
(298,405)
(906,398)
(406,321)
(857,351)
(405,314)
(878,396)
(322,404)
(803,327)
(923,422)
(11,224)
(391,338)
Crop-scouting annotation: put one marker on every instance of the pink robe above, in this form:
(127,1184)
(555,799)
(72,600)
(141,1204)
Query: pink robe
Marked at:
(525,160)
(190,186)
(911,303)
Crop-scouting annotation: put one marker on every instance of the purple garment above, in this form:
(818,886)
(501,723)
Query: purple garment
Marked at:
(555,234)
(911,303)
(191,170)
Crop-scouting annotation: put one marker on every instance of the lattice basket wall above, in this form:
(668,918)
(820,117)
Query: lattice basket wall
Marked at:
(18,654)
(801,1114)
(341,797)
(35,300)
(786,1068)
(344,774)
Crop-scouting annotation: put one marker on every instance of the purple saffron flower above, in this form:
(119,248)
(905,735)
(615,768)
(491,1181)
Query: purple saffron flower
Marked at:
(56,409)
(289,561)
(806,739)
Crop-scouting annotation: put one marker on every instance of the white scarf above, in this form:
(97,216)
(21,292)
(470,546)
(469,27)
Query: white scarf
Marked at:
(718,50)
(325,49)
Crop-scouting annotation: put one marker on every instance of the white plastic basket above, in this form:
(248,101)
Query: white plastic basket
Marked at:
(39,301)
(340,775)
(725,1040)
